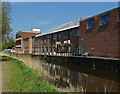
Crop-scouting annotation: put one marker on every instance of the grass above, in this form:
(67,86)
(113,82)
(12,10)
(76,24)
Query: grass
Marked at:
(24,79)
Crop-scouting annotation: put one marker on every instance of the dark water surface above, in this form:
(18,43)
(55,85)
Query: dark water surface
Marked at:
(84,78)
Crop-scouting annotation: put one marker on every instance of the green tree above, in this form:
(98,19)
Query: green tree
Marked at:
(7,39)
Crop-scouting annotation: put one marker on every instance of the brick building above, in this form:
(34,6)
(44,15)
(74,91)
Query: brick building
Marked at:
(60,40)
(97,35)
(19,39)
(100,34)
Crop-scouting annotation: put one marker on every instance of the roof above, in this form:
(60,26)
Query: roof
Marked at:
(62,27)
(29,31)
(101,13)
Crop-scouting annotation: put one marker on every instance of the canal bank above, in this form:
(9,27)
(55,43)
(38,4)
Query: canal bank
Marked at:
(82,78)
(92,62)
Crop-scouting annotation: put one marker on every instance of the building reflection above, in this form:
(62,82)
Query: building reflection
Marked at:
(76,79)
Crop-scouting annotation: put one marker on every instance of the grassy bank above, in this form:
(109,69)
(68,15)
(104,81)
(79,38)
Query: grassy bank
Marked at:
(23,79)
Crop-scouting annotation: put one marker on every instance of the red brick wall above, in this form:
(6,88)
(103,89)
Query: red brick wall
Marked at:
(104,39)
(73,40)
(28,34)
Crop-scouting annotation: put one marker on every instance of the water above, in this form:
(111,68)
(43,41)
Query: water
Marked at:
(83,78)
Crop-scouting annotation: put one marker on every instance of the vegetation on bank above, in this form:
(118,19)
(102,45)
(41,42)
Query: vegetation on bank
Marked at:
(24,79)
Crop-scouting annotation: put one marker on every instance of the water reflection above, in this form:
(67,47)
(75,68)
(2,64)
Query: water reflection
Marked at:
(83,78)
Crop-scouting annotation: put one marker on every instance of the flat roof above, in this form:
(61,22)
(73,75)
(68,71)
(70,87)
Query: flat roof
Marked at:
(28,31)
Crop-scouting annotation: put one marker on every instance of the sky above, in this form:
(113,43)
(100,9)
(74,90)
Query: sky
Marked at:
(45,15)
(64,0)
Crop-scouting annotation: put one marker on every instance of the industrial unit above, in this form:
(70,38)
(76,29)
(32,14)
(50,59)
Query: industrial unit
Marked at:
(94,36)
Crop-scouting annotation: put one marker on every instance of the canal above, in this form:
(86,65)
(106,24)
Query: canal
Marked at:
(83,78)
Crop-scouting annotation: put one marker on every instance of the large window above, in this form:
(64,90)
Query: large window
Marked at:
(119,16)
(72,33)
(54,37)
(105,19)
(65,35)
(90,24)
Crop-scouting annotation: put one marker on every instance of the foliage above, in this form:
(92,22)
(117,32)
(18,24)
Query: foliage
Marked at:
(7,38)
(8,45)
(25,79)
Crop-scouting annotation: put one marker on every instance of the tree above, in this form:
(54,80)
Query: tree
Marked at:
(7,39)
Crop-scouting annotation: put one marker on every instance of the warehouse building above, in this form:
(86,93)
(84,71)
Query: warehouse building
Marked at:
(97,36)
(60,40)
(100,34)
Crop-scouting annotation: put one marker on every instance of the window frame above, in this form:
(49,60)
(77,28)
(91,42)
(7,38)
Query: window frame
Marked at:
(43,49)
(50,48)
(54,36)
(54,49)
(91,23)
(59,36)
(65,35)
(46,48)
(103,21)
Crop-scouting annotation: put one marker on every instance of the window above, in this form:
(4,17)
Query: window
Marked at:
(42,49)
(77,32)
(54,49)
(119,16)
(54,37)
(90,24)
(59,36)
(72,33)
(36,39)
(65,48)
(39,39)
(18,42)
(50,49)
(39,48)
(45,37)
(58,47)
(50,37)
(36,48)
(105,19)
(18,34)
(65,35)
(46,49)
